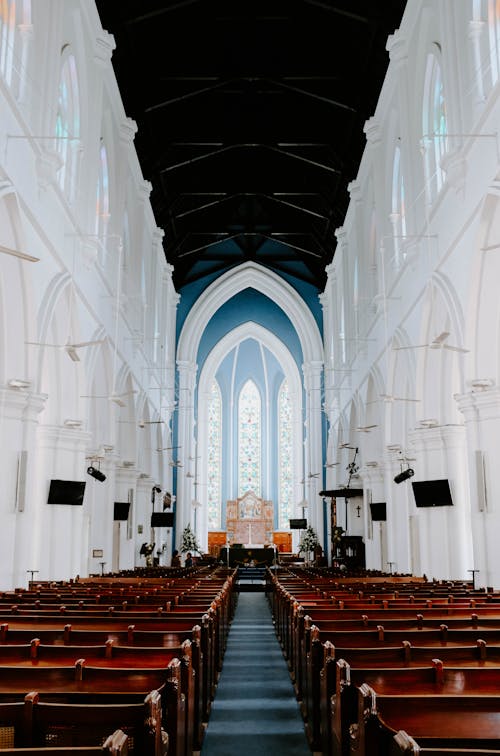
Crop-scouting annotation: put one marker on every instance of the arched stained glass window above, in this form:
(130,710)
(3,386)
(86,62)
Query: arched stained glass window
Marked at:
(398,215)
(494,38)
(435,140)
(285,446)
(249,440)
(7,38)
(214,457)
(102,195)
(15,23)
(68,125)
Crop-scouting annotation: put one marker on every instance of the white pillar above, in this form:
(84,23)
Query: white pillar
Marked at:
(187,442)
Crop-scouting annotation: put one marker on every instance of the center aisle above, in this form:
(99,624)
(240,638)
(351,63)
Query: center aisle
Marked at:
(255,710)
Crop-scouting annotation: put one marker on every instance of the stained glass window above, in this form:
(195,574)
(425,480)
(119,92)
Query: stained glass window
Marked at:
(249,439)
(102,194)
(7,37)
(494,38)
(214,457)
(435,127)
(285,445)
(15,20)
(68,126)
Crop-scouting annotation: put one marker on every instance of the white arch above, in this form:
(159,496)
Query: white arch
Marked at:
(250,275)
(266,338)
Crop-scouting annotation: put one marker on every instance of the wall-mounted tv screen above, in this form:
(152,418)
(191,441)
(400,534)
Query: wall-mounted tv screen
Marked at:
(298,524)
(120,511)
(378,511)
(432,493)
(162,520)
(66,492)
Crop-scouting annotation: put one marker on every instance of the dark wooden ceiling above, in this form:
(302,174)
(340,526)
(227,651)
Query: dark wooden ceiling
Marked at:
(250,122)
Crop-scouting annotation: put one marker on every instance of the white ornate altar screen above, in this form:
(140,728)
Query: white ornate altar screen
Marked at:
(250,520)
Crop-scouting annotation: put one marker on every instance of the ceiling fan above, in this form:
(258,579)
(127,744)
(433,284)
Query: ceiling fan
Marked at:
(331,464)
(437,343)
(391,398)
(116,398)
(168,448)
(313,475)
(16,253)
(365,428)
(142,423)
(69,348)
(175,463)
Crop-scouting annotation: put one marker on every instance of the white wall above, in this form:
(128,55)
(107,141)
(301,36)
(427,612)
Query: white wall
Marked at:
(82,288)
(433,271)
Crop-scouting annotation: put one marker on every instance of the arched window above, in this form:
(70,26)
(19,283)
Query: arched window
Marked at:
(398,214)
(7,38)
(249,440)
(435,140)
(494,38)
(68,125)
(214,457)
(285,448)
(15,18)
(342,333)
(102,197)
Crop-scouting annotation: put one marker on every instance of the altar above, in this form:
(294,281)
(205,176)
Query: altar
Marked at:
(249,521)
(241,556)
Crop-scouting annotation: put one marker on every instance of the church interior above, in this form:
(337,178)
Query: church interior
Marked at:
(249,308)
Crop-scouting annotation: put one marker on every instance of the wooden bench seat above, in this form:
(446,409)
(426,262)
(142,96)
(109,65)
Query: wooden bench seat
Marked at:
(116,744)
(436,721)
(36,724)
(176,690)
(337,694)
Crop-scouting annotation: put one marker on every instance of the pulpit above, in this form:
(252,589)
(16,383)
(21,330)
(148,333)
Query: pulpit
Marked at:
(249,521)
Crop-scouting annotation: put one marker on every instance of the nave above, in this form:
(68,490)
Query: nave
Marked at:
(255,710)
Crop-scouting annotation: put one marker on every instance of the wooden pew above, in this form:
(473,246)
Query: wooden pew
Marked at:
(116,744)
(436,721)
(35,724)
(338,706)
(62,682)
(402,743)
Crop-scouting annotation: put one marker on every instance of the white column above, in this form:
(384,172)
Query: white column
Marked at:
(313,458)
(187,442)
(481,410)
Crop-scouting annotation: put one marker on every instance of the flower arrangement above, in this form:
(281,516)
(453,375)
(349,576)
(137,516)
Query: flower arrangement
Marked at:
(309,540)
(188,540)
(337,532)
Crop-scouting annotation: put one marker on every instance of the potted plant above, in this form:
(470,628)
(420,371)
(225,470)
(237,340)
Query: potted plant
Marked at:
(188,541)
(308,542)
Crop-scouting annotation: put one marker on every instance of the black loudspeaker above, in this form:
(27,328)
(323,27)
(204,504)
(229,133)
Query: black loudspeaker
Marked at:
(432,493)
(95,473)
(298,524)
(162,520)
(121,509)
(378,511)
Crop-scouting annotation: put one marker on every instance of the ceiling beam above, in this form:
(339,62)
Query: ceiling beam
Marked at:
(313,95)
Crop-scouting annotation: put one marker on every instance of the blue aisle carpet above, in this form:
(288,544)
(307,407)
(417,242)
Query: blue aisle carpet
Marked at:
(255,710)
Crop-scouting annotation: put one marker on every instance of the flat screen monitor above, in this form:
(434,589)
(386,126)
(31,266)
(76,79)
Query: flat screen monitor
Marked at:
(120,511)
(432,493)
(162,520)
(378,511)
(298,524)
(66,492)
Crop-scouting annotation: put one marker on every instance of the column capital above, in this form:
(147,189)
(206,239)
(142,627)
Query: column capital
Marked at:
(355,190)
(128,130)
(103,48)
(483,404)
(372,131)
(397,47)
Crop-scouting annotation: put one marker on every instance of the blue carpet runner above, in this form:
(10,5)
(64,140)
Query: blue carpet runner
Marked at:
(255,710)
